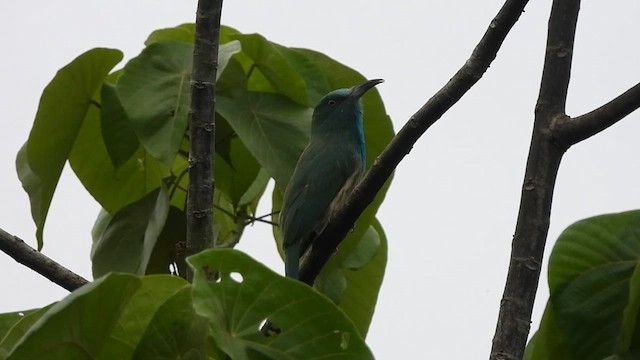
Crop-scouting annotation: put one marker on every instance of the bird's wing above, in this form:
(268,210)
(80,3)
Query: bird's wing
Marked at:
(318,178)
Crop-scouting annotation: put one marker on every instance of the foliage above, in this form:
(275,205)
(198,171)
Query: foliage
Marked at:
(164,317)
(125,135)
(594,282)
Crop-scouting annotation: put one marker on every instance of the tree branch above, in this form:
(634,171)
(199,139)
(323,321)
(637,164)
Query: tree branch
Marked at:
(35,260)
(401,144)
(202,129)
(574,130)
(545,154)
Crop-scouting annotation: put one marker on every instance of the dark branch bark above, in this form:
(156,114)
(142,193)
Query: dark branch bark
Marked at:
(574,130)
(545,155)
(401,145)
(35,260)
(202,128)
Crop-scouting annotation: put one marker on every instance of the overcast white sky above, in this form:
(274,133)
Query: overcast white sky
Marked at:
(451,210)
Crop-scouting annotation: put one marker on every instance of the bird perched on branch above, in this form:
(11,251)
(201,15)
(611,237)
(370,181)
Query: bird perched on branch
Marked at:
(327,171)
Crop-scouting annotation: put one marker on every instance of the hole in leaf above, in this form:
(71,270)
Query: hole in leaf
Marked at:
(237,277)
(268,329)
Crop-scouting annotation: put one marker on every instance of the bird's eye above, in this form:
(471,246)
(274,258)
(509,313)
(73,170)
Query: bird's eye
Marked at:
(331,102)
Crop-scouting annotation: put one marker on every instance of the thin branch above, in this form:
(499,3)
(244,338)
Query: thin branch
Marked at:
(202,129)
(545,154)
(35,260)
(401,144)
(574,130)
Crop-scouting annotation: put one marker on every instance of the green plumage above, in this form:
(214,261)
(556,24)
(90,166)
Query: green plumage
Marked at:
(326,173)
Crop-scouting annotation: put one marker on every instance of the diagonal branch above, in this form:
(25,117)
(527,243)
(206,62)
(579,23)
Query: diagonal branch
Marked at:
(202,129)
(574,130)
(35,260)
(401,144)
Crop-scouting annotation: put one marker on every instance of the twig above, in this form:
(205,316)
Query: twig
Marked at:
(35,260)
(202,129)
(401,144)
(574,130)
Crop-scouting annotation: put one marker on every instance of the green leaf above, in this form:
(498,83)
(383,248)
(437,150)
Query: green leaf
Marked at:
(366,249)
(548,343)
(119,138)
(138,318)
(235,177)
(112,188)
(271,126)
(62,109)
(154,92)
(270,59)
(15,326)
(237,294)
(8,320)
(630,332)
(126,244)
(363,285)
(175,332)
(66,331)
(125,305)
(184,33)
(590,270)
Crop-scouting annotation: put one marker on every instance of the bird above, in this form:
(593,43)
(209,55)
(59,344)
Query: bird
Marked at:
(327,171)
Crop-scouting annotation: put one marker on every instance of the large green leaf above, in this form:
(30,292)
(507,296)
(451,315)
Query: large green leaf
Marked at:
(127,242)
(363,283)
(185,33)
(548,343)
(593,273)
(271,126)
(138,318)
(102,320)
(155,94)
(67,331)
(175,332)
(119,137)
(237,294)
(272,62)
(62,109)
(8,320)
(12,335)
(235,175)
(112,188)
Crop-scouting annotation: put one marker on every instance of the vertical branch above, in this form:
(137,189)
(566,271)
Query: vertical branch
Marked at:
(202,128)
(545,154)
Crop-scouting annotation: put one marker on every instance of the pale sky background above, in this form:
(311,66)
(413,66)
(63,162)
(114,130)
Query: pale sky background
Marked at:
(451,210)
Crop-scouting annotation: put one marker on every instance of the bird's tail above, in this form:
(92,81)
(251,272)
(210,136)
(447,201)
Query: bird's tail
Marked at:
(292,260)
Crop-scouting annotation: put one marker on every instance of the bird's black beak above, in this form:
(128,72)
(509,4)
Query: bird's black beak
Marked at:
(359,90)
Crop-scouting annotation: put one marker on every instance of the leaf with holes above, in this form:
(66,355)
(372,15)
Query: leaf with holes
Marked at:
(238,294)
